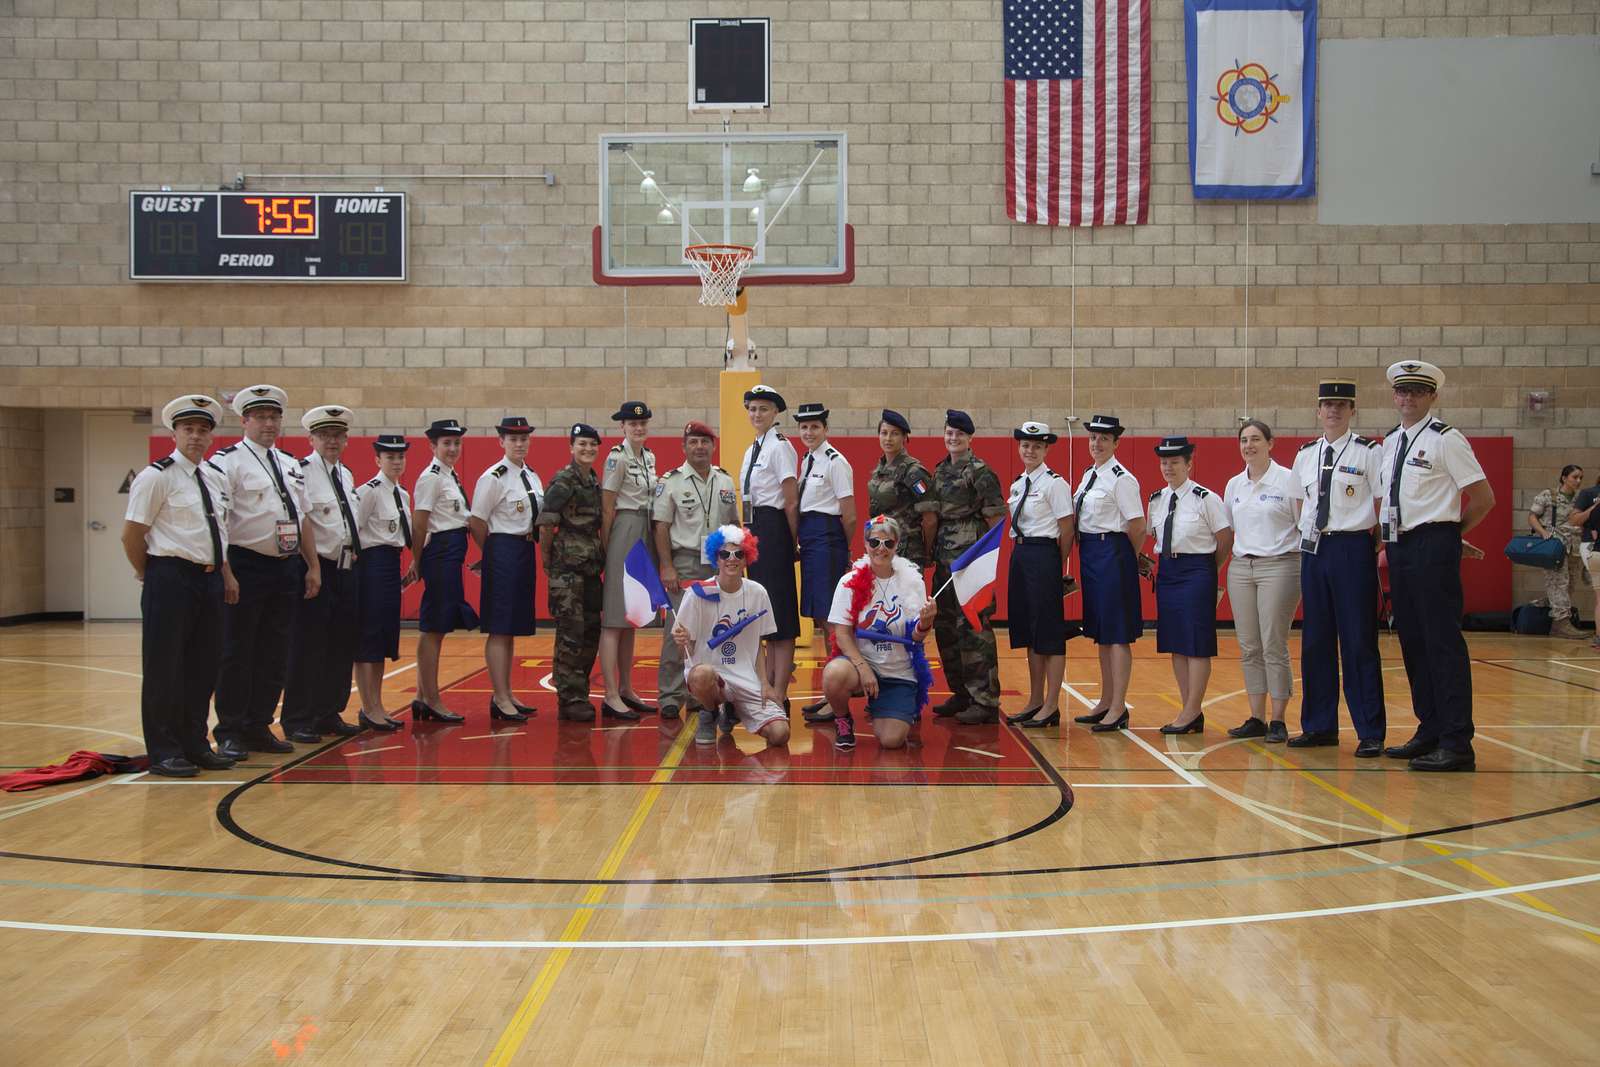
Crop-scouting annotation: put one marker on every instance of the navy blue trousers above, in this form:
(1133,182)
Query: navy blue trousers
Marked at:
(1425,588)
(1339,588)
(322,649)
(255,642)
(182,608)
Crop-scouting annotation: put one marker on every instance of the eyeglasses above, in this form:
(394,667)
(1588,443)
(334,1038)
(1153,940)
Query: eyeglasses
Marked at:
(730,553)
(880,542)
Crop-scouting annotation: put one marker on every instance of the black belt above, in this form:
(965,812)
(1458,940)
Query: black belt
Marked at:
(1425,527)
(263,555)
(203,568)
(1038,541)
(1367,533)
(1101,536)
(1186,555)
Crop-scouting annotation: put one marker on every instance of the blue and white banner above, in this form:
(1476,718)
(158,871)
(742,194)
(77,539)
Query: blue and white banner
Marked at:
(1252,80)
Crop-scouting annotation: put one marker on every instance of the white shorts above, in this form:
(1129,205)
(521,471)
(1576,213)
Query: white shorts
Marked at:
(1589,552)
(753,711)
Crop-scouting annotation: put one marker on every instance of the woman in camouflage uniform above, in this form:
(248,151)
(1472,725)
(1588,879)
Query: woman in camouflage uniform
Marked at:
(1550,515)
(569,541)
(902,489)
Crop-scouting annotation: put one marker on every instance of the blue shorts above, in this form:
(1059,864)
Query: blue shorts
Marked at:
(896,699)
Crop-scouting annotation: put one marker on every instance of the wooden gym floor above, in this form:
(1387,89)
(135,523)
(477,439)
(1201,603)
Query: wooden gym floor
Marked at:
(560,894)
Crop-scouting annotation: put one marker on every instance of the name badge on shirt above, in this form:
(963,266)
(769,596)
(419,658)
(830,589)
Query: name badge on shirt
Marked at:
(1311,541)
(346,558)
(1390,521)
(288,538)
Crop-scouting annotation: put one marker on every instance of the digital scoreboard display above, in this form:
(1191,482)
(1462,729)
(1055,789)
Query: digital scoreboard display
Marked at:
(267,237)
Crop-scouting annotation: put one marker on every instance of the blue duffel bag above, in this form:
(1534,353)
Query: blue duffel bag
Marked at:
(1546,553)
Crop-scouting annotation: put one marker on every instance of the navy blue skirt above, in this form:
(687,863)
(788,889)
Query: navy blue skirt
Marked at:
(444,601)
(1110,589)
(824,557)
(1036,619)
(1186,605)
(379,613)
(509,562)
(774,569)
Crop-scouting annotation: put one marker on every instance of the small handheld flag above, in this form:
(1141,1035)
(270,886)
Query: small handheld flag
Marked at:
(973,574)
(642,592)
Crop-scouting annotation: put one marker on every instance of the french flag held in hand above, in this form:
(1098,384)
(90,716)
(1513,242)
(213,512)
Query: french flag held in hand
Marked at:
(973,573)
(642,591)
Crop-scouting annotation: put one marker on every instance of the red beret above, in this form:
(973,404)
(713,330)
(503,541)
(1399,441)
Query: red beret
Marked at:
(696,428)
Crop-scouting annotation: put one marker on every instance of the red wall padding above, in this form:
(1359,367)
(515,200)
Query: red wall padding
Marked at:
(1487,582)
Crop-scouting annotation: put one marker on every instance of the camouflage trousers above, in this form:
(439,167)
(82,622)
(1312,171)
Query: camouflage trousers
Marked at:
(575,603)
(968,655)
(672,691)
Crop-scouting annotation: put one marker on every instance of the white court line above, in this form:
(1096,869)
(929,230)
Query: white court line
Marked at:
(74,666)
(1133,785)
(1160,756)
(484,737)
(368,751)
(69,726)
(814,942)
(1224,696)
(23,809)
(604,729)
(1573,666)
(979,751)
(1541,756)
(186,781)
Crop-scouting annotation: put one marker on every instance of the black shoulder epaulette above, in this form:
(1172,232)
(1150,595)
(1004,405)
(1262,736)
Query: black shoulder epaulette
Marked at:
(306,462)
(500,470)
(717,468)
(1439,427)
(163,463)
(433,468)
(1053,474)
(1118,471)
(214,467)
(375,481)
(1201,492)
(1157,493)
(226,451)
(1368,441)
(1308,444)
(647,449)
(831,453)
(781,437)
(1393,429)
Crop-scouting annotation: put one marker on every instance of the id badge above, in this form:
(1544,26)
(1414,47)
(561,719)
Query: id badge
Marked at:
(288,538)
(1390,522)
(1311,541)
(346,558)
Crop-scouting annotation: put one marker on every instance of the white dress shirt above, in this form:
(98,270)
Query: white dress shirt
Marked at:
(1439,463)
(1107,499)
(1049,500)
(328,525)
(378,517)
(440,493)
(825,479)
(508,497)
(258,504)
(1356,461)
(165,496)
(1194,528)
(774,463)
(1262,512)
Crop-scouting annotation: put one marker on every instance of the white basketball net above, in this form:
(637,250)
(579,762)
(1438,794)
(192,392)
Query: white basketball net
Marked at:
(720,267)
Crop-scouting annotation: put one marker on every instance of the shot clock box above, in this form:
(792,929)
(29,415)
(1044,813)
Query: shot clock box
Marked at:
(267,236)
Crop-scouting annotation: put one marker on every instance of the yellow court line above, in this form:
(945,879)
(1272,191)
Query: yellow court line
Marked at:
(527,1013)
(1400,827)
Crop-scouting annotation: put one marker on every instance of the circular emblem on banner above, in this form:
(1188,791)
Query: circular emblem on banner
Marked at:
(1246,98)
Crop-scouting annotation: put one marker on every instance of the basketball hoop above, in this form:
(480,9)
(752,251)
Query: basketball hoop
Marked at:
(720,267)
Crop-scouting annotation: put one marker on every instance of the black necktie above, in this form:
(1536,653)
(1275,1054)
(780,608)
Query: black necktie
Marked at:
(283,490)
(459,487)
(1016,512)
(1077,505)
(405,524)
(344,509)
(1325,489)
(1394,478)
(211,520)
(805,478)
(533,503)
(755,452)
(1166,527)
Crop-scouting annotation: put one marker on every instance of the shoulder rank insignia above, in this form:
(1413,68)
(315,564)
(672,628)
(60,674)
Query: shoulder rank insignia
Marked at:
(500,470)
(306,462)
(1439,427)
(1308,444)
(375,481)
(226,451)
(213,466)
(1157,493)
(163,463)
(1118,471)
(1367,441)
(1201,492)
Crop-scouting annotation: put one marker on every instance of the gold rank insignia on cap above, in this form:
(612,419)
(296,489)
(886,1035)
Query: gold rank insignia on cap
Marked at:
(1415,372)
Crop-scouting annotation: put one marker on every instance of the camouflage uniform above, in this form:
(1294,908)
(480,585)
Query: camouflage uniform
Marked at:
(904,491)
(969,495)
(574,563)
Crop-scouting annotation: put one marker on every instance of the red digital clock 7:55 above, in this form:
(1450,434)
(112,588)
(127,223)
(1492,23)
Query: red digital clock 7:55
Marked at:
(265,215)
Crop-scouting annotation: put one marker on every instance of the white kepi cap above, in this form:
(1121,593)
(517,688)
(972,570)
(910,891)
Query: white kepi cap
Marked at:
(1415,372)
(328,415)
(191,406)
(255,396)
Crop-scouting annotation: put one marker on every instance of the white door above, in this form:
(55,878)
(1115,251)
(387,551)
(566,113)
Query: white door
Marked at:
(115,448)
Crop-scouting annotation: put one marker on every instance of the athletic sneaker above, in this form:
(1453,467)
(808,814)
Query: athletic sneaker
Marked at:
(1277,732)
(705,731)
(730,719)
(844,732)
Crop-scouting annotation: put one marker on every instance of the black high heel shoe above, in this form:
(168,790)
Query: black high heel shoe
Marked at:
(1091,718)
(1024,715)
(387,726)
(421,711)
(1112,727)
(496,715)
(1197,725)
(635,704)
(1036,723)
(624,715)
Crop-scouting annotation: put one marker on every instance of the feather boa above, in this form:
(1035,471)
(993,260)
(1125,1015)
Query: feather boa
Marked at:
(859,583)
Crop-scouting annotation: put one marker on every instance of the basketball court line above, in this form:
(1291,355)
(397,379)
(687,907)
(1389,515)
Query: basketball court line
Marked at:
(1572,666)
(1189,780)
(74,666)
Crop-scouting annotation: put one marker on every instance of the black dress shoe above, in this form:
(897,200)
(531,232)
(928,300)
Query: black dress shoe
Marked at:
(496,715)
(953,706)
(385,726)
(234,750)
(174,767)
(306,737)
(623,714)
(819,711)
(1091,718)
(1197,725)
(1319,739)
(1369,748)
(1417,746)
(1251,727)
(1442,759)
(1038,723)
(523,709)
(635,704)
(1023,716)
(979,715)
(669,711)
(266,741)
(422,712)
(1277,733)
(338,727)
(208,760)
(576,711)
(1111,727)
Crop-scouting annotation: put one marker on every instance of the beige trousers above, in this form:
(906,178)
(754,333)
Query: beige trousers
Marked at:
(1265,590)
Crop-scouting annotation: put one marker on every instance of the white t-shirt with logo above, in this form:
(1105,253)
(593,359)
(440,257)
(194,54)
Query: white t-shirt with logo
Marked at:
(706,620)
(895,604)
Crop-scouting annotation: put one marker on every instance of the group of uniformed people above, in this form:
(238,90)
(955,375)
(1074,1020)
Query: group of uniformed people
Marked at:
(259,561)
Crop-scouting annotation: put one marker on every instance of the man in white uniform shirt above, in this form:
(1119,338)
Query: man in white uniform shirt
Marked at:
(1427,467)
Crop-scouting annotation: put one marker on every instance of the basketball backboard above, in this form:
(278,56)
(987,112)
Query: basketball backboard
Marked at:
(782,194)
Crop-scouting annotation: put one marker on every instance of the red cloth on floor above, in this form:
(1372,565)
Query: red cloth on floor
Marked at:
(80,765)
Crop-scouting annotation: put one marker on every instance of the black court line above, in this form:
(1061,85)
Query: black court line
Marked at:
(1536,674)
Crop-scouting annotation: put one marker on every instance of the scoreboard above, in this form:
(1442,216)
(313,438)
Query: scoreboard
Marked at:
(267,237)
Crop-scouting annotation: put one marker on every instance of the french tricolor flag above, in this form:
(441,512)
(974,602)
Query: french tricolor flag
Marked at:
(974,572)
(642,592)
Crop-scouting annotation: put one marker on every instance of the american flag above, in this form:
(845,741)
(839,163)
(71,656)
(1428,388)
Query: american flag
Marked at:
(1078,111)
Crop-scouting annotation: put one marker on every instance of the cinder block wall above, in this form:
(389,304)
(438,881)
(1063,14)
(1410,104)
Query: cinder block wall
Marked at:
(953,303)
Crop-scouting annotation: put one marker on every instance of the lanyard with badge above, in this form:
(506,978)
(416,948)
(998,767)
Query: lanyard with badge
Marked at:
(1313,540)
(287,530)
(1390,515)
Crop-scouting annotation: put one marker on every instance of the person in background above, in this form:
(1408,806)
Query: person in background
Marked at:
(1263,506)
(901,488)
(1042,527)
(439,547)
(771,509)
(505,503)
(574,555)
(1553,513)
(383,522)
(825,495)
(626,488)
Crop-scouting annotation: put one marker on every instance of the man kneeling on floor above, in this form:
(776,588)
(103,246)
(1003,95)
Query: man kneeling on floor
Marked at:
(720,626)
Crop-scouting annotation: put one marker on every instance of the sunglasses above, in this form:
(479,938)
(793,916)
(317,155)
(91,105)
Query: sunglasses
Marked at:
(880,542)
(730,553)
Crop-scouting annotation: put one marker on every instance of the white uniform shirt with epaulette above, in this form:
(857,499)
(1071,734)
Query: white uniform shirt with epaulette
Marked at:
(1194,528)
(1356,464)
(1107,499)
(630,475)
(693,506)
(258,504)
(165,496)
(507,498)
(826,478)
(378,515)
(328,525)
(440,493)
(1049,500)
(769,469)
(1439,463)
